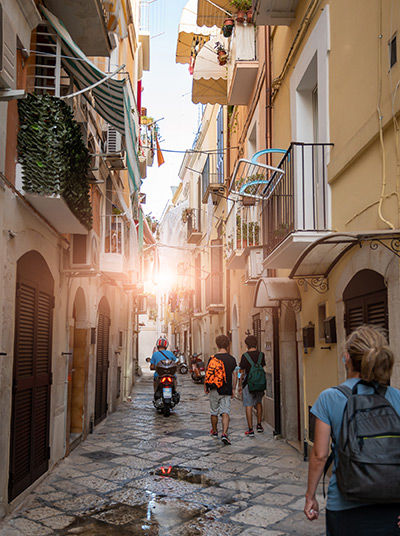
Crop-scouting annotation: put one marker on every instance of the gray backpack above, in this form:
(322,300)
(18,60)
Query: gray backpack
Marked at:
(368,468)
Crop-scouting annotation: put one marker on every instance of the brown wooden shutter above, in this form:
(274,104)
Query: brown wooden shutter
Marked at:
(103,336)
(29,448)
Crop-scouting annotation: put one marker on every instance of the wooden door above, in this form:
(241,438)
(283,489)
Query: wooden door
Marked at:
(102,363)
(30,419)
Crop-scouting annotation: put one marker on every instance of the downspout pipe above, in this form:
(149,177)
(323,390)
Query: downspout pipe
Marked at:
(268,93)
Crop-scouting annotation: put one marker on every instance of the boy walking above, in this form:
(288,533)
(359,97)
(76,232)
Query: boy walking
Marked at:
(220,383)
(252,399)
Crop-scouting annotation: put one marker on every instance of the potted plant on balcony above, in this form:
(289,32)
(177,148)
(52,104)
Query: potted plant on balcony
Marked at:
(228,26)
(253,233)
(221,53)
(242,7)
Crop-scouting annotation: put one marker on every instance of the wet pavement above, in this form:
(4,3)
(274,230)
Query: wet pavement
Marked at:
(141,473)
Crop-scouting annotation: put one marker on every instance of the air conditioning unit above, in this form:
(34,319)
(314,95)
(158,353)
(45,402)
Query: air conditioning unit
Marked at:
(114,140)
(84,252)
(8,51)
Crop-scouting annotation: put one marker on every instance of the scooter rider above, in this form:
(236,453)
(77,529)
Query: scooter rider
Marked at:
(160,355)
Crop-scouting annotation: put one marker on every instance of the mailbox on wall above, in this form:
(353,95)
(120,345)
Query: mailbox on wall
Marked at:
(309,337)
(330,329)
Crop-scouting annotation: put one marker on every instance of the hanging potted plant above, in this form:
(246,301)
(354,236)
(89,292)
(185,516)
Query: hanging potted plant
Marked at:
(227,27)
(242,7)
(221,53)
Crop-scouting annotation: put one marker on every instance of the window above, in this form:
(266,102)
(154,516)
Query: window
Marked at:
(205,178)
(78,249)
(393,51)
(220,146)
(321,318)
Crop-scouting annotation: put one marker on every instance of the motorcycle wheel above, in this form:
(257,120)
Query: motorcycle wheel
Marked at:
(167,412)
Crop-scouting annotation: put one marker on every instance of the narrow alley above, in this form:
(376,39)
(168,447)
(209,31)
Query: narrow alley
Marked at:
(112,484)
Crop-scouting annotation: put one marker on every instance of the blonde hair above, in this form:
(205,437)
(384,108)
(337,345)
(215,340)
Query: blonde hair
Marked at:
(370,354)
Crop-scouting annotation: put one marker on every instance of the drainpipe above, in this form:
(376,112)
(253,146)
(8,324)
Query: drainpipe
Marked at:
(268,93)
(277,372)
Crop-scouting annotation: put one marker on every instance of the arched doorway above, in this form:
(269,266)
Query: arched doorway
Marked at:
(102,361)
(235,333)
(77,374)
(30,418)
(365,300)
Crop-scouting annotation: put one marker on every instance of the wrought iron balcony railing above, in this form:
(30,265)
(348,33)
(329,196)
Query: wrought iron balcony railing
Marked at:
(194,233)
(296,200)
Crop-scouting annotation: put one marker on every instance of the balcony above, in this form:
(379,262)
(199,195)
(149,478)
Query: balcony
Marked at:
(87,22)
(295,210)
(212,178)
(214,292)
(274,12)
(242,234)
(242,65)
(193,221)
(114,256)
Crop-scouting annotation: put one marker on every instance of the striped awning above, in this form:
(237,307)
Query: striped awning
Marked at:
(112,99)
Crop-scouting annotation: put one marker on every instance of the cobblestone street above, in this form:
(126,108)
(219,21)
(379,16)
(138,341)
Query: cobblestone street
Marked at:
(109,484)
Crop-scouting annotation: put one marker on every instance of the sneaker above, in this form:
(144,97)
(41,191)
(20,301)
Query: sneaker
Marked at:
(213,434)
(225,440)
(260,428)
(249,432)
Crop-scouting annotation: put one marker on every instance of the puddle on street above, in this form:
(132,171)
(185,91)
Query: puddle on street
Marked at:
(156,517)
(194,476)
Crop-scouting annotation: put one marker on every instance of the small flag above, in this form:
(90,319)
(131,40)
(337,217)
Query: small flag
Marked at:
(160,158)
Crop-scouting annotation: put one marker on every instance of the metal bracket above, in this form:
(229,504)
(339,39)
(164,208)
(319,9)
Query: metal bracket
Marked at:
(394,245)
(318,283)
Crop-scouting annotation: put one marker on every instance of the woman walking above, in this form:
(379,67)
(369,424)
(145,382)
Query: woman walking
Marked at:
(367,359)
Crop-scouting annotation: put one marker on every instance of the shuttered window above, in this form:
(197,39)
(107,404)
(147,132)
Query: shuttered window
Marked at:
(365,301)
(103,334)
(29,448)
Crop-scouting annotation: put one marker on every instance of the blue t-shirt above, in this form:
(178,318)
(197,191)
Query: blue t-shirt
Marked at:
(158,356)
(329,408)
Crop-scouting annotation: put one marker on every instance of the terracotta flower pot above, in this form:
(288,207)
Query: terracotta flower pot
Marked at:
(249,16)
(240,16)
(227,30)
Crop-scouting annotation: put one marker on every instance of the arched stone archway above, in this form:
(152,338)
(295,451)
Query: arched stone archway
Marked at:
(102,360)
(30,419)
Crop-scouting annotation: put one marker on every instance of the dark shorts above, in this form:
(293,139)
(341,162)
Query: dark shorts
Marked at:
(371,520)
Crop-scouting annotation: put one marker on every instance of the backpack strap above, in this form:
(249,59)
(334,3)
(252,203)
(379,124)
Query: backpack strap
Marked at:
(346,391)
(251,362)
(259,359)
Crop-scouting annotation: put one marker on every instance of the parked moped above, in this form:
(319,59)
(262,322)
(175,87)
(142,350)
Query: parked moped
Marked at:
(198,369)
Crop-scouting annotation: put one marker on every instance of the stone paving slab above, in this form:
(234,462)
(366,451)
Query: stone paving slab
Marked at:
(108,486)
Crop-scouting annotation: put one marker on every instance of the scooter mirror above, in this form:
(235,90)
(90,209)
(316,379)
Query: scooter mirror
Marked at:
(148,359)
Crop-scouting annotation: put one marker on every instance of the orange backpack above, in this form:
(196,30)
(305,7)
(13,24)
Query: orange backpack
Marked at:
(215,373)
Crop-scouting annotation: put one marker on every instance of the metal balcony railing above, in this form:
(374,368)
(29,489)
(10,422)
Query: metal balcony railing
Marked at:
(212,174)
(243,228)
(114,235)
(296,200)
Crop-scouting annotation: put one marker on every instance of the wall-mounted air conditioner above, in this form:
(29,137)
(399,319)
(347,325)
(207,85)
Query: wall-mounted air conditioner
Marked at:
(114,140)
(84,252)
(254,264)
(8,51)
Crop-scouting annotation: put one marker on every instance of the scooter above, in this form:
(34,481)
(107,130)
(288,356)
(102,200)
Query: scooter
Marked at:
(166,396)
(198,369)
(182,366)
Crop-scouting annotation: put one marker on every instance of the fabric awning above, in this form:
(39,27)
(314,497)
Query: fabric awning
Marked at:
(210,78)
(213,13)
(271,291)
(191,37)
(320,257)
(113,100)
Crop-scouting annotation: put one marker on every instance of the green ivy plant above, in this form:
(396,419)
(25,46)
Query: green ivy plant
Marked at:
(54,157)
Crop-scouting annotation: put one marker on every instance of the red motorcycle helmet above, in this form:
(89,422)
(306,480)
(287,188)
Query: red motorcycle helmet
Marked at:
(162,342)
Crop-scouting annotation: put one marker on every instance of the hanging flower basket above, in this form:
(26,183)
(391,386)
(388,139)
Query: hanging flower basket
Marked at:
(241,16)
(222,57)
(249,16)
(227,27)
